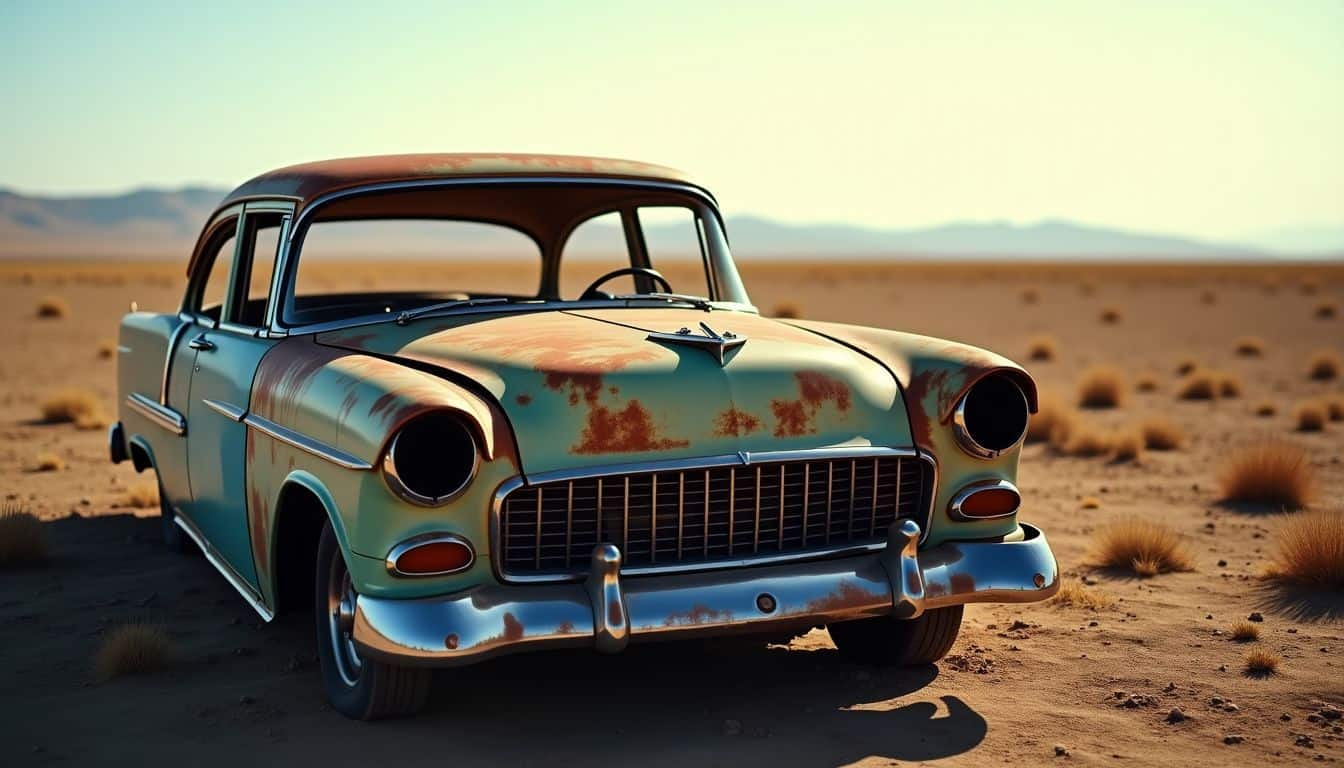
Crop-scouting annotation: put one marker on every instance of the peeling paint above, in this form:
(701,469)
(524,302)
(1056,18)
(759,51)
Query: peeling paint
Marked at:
(698,614)
(627,430)
(735,422)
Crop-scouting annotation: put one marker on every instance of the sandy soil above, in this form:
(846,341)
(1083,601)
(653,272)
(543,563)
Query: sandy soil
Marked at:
(1021,684)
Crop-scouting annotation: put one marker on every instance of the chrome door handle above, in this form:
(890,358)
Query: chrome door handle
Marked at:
(201,343)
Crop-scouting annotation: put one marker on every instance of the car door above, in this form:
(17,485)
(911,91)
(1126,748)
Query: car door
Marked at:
(227,352)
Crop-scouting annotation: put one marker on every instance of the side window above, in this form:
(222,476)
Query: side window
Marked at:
(216,286)
(261,243)
(672,237)
(594,248)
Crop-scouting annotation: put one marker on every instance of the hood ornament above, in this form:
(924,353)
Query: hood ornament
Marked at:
(719,345)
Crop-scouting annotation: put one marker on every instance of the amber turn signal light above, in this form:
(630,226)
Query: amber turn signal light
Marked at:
(433,554)
(984,501)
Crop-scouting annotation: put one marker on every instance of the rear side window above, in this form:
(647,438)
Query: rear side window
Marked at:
(209,300)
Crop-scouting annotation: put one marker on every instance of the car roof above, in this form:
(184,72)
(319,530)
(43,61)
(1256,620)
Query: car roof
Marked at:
(308,181)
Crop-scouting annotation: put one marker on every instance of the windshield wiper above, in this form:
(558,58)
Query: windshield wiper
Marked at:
(699,302)
(408,315)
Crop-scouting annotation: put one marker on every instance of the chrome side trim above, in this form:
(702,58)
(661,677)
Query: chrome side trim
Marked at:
(304,443)
(249,594)
(229,411)
(168,357)
(415,542)
(968,443)
(161,415)
(954,507)
(724,460)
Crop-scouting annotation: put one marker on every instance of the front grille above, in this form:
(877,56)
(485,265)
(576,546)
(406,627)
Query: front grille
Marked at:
(690,517)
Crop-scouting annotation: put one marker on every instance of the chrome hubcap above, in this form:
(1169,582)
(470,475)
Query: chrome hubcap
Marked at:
(341,622)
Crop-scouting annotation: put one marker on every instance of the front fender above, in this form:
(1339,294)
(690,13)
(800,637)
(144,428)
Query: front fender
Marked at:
(934,374)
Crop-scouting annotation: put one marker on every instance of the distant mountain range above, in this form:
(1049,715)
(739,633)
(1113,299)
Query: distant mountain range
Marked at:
(164,223)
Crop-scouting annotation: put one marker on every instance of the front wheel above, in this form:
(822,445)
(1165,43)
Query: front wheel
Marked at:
(887,641)
(359,688)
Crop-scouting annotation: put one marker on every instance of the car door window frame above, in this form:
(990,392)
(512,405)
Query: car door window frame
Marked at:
(234,221)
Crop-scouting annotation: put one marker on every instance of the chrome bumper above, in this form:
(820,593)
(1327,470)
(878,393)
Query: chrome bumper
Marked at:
(606,612)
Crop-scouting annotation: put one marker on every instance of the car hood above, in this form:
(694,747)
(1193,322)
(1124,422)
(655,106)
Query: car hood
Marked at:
(589,387)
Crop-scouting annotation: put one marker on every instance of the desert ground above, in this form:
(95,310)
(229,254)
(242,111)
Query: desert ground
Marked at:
(1043,683)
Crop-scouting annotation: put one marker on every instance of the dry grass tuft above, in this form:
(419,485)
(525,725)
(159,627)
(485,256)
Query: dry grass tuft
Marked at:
(1146,383)
(1127,445)
(1310,550)
(1042,348)
(1079,438)
(1090,502)
(1160,434)
(1324,366)
(77,406)
(1101,386)
(1310,416)
(1262,663)
(1142,547)
(23,540)
(1198,385)
(1228,385)
(1186,367)
(787,310)
(1049,417)
(1327,311)
(1272,472)
(1250,346)
(134,649)
(142,495)
(52,307)
(49,462)
(1075,595)
(1111,315)
(1245,631)
(1334,407)
(1266,408)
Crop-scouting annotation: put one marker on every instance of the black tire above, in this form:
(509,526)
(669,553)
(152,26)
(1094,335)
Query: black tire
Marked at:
(359,688)
(886,641)
(174,540)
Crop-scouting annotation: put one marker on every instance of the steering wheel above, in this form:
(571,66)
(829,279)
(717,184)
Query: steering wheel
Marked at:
(592,292)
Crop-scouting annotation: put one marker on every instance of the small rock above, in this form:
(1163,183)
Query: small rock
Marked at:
(1305,741)
(1060,751)
(1170,687)
(1176,715)
(1118,694)
(1331,712)
(1230,707)
(1233,738)
(1019,624)
(1255,617)
(1222,667)
(85,501)
(1093,623)
(1216,701)
(1285,717)
(732,727)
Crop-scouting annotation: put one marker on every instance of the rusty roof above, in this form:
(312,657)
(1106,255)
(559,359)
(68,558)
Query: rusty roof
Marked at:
(309,181)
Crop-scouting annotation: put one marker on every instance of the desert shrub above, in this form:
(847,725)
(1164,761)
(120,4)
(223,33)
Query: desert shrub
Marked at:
(1101,386)
(1265,408)
(1327,310)
(1334,407)
(1245,631)
(1075,595)
(1250,346)
(1142,547)
(1198,385)
(1127,445)
(134,649)
(49,462)
(1309,550)
(1160,434)
(1146,383)
(1049,417)
(787,310)
(142,495)
(52,307)
(77,406)
(1272,472)
(23,540)
(1324,366)
(1090,502)
(1262,662)
(1310,416)
(1041,348)
(1082,439)
(1111,315)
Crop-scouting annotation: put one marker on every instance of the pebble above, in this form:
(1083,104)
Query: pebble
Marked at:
(1060,751)
(1231,708)
(1216,701)
(1255,617)
(1222,563)
(1305,741)
(1233,738)
(1176,715)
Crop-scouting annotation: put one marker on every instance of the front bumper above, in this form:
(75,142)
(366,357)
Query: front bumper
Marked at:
(606,612)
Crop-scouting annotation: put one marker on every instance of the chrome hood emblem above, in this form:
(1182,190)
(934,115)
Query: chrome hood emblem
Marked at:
(720,346)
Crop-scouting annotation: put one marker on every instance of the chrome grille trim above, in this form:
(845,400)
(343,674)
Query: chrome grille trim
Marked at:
(649,557)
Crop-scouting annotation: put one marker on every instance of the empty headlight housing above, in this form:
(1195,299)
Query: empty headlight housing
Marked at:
(431,459)
(991,418)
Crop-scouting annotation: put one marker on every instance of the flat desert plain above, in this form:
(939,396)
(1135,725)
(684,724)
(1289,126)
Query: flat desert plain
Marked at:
(1134,671)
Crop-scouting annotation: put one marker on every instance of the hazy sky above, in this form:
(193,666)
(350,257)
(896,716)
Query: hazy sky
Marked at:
(1213,119)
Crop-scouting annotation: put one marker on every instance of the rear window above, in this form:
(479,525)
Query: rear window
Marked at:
(351,268)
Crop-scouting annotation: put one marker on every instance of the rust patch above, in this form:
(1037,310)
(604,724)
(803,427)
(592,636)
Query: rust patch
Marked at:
(921,384)
(696,615)
(815,390)
(257,514)
(615,616)
(513,628)
(282,375)
(847,597)
(791,418)
(963,583)
(581,386)
(524,400)
(735,423)
(818,388)
(627,430)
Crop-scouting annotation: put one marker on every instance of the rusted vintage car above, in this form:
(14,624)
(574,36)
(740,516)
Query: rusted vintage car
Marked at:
(467,405)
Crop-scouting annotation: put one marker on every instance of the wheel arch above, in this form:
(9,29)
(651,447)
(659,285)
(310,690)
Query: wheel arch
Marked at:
(302,505)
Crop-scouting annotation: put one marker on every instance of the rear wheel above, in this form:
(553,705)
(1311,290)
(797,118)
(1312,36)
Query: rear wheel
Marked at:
(173,537)
(887,641)
(357,687)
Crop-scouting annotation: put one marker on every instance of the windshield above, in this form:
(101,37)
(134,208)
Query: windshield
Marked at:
(402,255)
